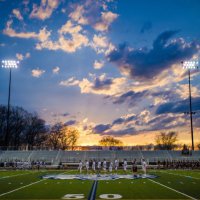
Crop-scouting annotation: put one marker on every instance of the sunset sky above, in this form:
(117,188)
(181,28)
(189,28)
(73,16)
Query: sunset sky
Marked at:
(107,67)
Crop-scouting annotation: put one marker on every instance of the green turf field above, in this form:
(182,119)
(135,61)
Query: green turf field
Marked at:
(170,184)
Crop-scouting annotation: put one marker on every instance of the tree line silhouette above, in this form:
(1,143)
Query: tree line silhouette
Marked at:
(29,130)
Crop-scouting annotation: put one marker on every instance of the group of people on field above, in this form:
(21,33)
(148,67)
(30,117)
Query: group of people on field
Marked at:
(110,166)
(18,164)
(179,164)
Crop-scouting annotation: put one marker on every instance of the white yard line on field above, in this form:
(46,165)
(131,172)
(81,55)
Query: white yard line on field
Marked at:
(3,194)
(179,175)
(15,175)
(190,197)
(21,188)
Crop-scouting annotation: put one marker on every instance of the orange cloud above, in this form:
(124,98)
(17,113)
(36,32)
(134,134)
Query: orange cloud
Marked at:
(45,9)
(106,19)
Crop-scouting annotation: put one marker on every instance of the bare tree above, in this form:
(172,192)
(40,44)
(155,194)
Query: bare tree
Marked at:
(73,135)
(35,131)
(53,137)
(110,141)
(62,137)
(25,128)
(3,112)
(166,141)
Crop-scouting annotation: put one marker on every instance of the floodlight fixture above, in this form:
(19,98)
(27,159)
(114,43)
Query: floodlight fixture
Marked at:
(190,64)
(10,63)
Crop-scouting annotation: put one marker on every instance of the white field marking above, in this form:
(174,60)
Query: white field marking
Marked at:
(180,175)
(172,189)
(3,194)
(32,172)
(16,175)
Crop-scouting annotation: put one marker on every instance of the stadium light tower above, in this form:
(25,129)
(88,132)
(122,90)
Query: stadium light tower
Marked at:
(9,64)
(190,65)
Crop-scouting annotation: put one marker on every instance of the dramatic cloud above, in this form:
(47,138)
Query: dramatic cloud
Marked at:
(183,91)
(166,121)
(131,97)
(179,106)
(124,119)
(101,85)
(45,9)
(101,128)
(93,13)
(120,126)
(65,42)
(17,14)
(72,35)
(133,124)
(101,44)
(43,34)
(126,131)
(37,72)
(143,64)
(154,96)
(77,15)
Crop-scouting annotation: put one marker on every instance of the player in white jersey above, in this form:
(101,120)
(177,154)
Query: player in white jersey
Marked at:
(80,166)
(104,165)
(93,165)
(110,166)
(116,164)
(87,166)
(99,166)
(125,165)
(144,166)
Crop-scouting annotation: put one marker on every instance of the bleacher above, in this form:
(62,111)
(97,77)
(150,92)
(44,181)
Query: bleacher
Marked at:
(44,155)
(154,156)
(15,155)
(57,156)
(72,156)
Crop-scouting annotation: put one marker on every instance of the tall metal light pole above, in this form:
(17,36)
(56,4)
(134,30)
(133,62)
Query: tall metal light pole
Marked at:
(189,65)
(9,64)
